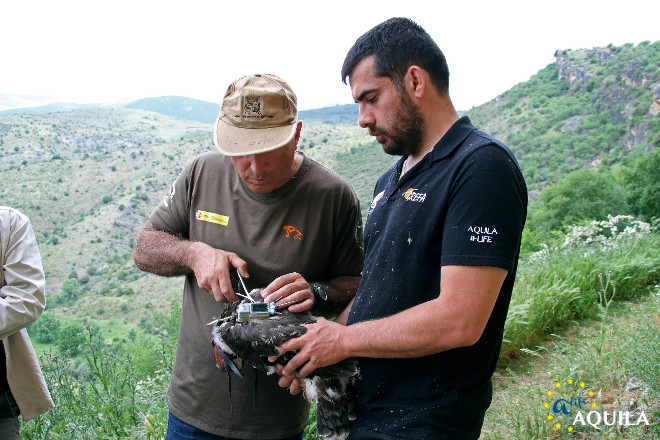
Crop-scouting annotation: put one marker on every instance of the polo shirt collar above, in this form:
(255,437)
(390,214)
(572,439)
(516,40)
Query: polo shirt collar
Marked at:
(456,134)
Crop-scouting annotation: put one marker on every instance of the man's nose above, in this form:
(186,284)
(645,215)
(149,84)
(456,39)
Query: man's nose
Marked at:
(365,117)
(257,164)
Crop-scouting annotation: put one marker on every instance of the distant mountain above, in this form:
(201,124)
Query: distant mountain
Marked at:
(339,114)
(48,108)
(11,101)
(180,107)
(207,112)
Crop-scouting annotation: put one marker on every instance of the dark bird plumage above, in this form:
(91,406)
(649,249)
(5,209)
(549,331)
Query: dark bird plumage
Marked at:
(253,341)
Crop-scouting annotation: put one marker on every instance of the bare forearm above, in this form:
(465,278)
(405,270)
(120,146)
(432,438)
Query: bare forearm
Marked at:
(455,319)
(342,318)
(162,253)
(341,291)
(423,330)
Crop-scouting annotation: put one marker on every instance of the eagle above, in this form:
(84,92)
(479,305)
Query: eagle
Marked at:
(249,332)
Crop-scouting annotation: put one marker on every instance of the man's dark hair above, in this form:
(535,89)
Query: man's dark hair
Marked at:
(397,44)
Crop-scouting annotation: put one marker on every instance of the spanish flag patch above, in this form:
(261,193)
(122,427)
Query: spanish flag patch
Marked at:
(211,217)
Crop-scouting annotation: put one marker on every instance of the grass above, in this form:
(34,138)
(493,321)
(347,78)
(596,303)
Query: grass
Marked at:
(563,285)
(619,365)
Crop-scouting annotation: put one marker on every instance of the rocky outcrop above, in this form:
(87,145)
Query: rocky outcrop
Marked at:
(569,71)
(655,102)
(571,125)
(630,76)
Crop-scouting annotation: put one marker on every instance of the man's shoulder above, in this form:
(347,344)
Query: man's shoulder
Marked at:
(325,176)
(210,159)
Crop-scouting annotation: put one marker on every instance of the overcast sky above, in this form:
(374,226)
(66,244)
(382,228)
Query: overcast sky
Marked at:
(111,51)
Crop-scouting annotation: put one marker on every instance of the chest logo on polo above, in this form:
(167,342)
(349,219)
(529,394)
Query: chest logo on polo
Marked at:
(412,196)
(293,232)
(211,217)
(482,234)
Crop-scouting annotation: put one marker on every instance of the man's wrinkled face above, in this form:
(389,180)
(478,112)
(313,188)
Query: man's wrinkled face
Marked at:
(265,172)
(388,113)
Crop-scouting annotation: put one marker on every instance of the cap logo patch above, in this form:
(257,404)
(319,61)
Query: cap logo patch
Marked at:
(252,108)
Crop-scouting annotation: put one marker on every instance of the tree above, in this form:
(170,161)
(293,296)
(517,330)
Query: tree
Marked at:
(581,195)
(46,328)
(70,289)
(70,338)
(643,185)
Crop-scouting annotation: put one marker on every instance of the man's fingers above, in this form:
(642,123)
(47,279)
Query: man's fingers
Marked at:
(294,387)
(291,368)
(301,306)
(239,264)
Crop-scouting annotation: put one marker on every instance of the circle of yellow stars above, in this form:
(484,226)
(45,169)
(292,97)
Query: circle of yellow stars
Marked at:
(557,387)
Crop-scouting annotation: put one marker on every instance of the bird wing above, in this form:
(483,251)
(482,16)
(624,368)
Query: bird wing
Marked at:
(254,341)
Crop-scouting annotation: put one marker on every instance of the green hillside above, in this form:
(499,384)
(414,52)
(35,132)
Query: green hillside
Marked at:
(88,179)
(592,107)
(179,107)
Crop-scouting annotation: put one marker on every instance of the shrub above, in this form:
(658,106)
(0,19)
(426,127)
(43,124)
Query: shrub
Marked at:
(70,290)
(642,185)
(46,328)
(562,284)
(70,338)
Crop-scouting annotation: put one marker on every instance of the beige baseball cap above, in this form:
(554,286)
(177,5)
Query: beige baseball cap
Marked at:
(259,113)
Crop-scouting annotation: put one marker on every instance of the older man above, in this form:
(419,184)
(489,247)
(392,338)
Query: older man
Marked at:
(260,208)
(441,248)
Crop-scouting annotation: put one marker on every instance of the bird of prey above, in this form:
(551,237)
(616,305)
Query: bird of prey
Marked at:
(249,332)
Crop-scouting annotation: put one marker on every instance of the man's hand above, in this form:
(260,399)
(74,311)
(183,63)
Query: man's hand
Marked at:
(320,346)
(291,288)
(164,254)
(211,267)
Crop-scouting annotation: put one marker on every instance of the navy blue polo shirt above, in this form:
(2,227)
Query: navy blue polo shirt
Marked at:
(464,203)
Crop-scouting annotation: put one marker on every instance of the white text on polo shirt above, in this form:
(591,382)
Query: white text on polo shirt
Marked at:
(484,234)
(412,196)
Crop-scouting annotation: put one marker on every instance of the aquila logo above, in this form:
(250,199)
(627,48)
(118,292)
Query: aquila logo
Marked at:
(571,405)
(297,235)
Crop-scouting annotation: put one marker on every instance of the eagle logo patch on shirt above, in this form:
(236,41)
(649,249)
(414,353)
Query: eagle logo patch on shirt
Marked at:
(297,235)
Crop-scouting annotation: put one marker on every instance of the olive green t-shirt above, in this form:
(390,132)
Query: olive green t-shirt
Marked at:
(311,225)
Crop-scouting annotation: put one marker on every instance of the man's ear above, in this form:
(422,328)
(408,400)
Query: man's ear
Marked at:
(298,130)
(415,81)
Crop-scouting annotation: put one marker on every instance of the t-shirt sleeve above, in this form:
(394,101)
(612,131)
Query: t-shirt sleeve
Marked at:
(172,215)
(348,258)
(486,211)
